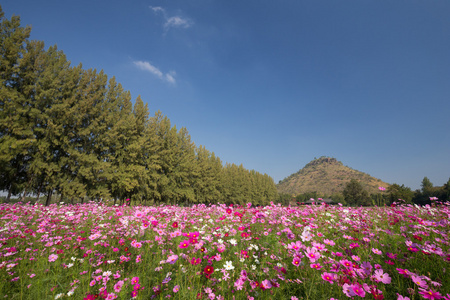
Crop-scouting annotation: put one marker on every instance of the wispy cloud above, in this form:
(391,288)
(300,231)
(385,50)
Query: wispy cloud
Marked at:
(173,21)
(157,9)
(146,66)
(177,22)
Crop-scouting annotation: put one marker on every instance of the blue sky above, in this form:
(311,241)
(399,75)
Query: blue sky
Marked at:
(273,84)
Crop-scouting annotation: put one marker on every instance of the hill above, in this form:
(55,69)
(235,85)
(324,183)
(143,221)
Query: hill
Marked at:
(327,176)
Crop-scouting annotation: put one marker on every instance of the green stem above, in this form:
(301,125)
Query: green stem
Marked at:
(310,288)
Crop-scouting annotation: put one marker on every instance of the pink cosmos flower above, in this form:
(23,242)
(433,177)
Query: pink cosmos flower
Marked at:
(380,276)
(400,297)
(346,263)
(413,249)
(429,294)
(312,255)
(419,281)
(358,290)
(172,259)
(391,255)
(296,261)
(111,296)
(356,258)
(377,251)
(52,257)
(176,288)
(353,245)
(348,290)
(239,284)
(254,284)
(329,242)
(330,277)
(404,272)
(135,280)
(118,286)
(221,248)
(266,284)
(184,244)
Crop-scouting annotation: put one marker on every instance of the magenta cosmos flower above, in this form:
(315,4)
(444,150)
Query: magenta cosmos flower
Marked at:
(429,294)
(184,244)
(358,290)
(330,277)
(296,261)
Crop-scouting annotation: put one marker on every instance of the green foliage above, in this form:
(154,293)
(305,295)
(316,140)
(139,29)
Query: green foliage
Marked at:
(396,192)
(429,192)
(426,185)
(355,195)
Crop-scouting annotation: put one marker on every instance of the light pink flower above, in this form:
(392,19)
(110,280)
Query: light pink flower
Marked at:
(52,257)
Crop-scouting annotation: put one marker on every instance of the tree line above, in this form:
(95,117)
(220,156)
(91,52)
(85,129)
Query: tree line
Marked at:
(354,194)
(74,132)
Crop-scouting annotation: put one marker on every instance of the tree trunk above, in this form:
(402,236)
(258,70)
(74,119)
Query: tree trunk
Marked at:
(8,198)
(38,193)
(24,195)
(25,192)
(49,198)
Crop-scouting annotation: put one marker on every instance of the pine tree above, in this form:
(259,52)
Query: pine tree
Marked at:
(88,151)
(206,185)
(47,92)
(145,146)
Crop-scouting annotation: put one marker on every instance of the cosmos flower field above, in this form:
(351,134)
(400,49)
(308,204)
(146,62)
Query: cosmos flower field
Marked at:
(95,251)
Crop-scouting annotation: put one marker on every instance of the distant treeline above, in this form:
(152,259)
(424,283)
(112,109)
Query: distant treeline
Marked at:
(74,132)
(354,194)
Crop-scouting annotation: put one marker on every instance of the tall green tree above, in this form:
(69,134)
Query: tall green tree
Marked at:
(47,92)
(354,194)
(427,186)
(92,120)
(206,184)
(176,161)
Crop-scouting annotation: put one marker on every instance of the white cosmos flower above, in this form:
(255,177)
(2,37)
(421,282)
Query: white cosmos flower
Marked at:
(228,265)
(233,242)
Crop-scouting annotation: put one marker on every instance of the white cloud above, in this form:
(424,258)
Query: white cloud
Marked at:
(146,66)
(170,78)
(171,22)
(157,8)
(177,22)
